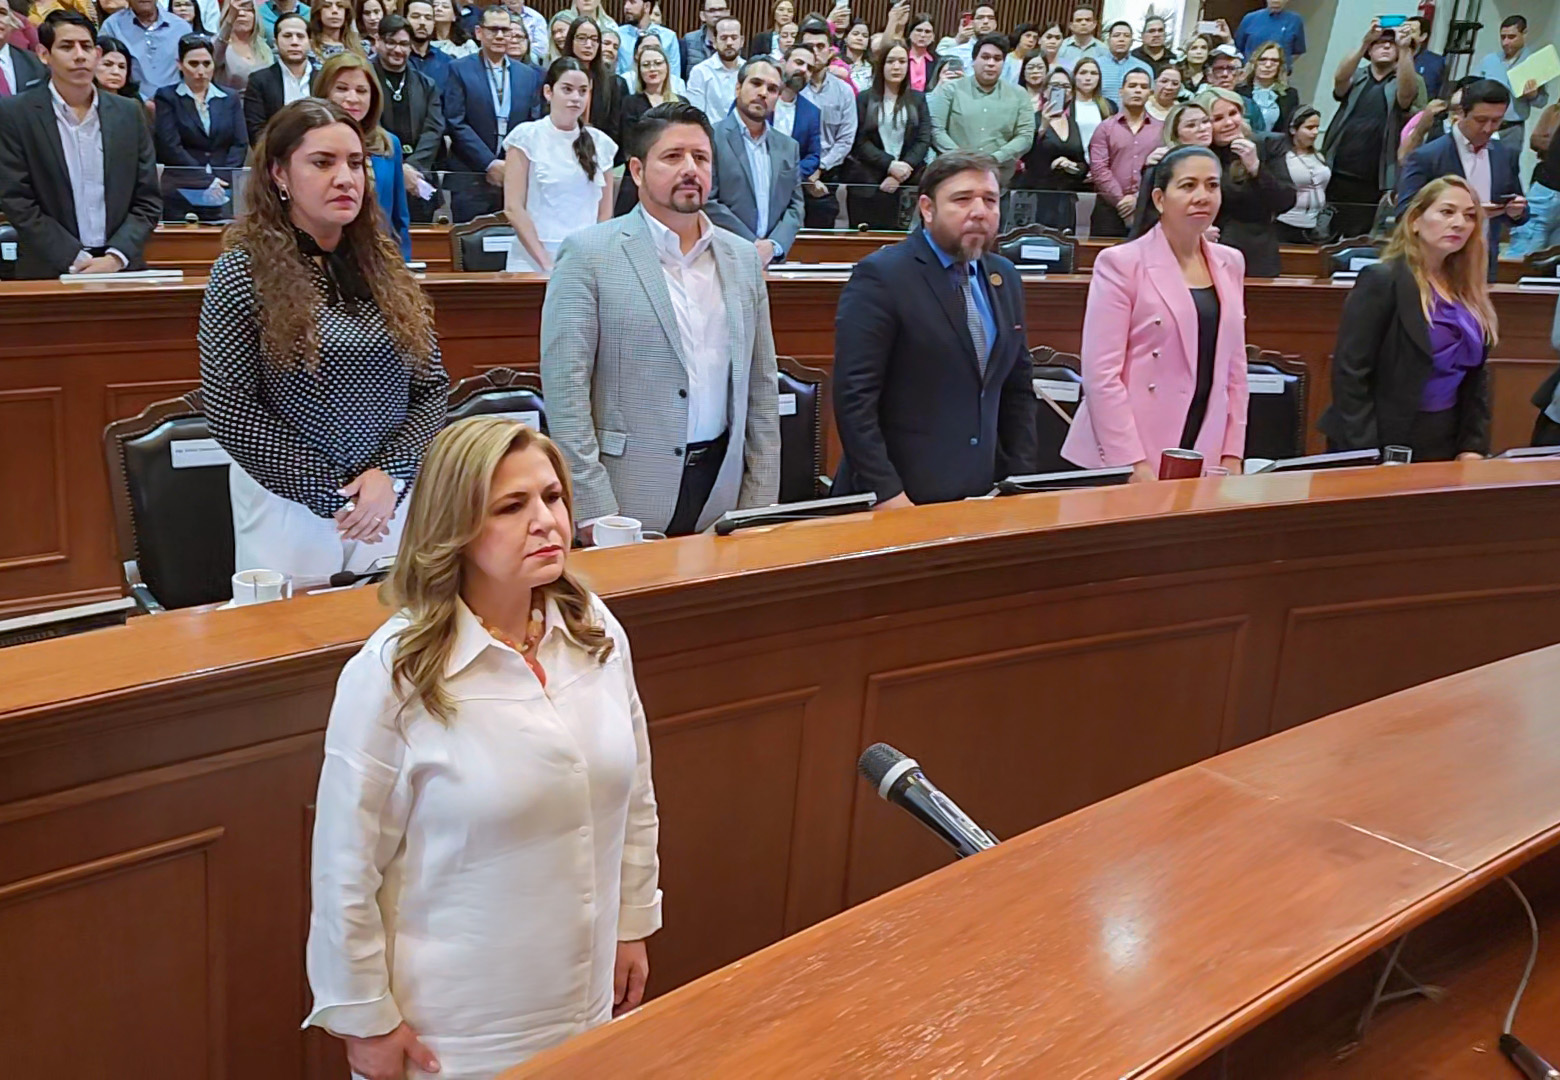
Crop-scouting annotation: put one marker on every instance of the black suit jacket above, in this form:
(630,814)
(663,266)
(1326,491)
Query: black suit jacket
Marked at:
(263,97)
(35,189)
(1381,363)
(868,162)
(1439,157)
(30,71)
(182,141)
(915,414)
(423,141)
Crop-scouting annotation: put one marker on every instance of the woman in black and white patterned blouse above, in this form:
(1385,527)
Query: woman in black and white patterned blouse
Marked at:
(319,364)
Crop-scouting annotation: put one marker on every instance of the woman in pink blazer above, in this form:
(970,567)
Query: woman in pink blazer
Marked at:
(1164,335)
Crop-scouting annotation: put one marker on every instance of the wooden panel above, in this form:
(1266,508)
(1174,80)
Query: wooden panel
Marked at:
(32,473)
(126,399)
(1512,383)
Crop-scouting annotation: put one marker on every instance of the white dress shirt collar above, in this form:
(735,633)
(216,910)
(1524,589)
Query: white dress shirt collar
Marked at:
(472,638)
(668,244)
(64,111)
(1475,164)
(8,66)
(212,92)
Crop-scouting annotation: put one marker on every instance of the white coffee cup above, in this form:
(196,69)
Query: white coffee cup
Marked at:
(260,587)
(617,531)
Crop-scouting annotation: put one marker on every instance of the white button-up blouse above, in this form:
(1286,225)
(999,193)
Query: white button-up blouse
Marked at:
(475,878)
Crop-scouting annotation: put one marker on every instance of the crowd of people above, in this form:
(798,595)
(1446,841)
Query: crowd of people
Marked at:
(462,108)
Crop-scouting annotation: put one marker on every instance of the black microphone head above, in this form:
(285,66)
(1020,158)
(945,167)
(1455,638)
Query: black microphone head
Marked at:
(342,578)
(876,760)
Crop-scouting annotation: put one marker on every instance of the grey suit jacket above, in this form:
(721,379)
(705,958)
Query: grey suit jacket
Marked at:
(732,205)
(616,380)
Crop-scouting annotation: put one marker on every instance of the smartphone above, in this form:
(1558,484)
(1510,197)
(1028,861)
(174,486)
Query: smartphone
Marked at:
(966,19)
(1391,22)
(1056,99)
(1206,27)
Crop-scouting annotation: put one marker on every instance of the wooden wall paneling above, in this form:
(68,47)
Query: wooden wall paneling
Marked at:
(33,475)
(1512,383)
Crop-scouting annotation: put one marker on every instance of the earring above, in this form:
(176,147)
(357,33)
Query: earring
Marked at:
(282,194)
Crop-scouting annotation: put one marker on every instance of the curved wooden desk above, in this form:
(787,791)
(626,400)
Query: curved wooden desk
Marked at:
(1038,653)
(75,358)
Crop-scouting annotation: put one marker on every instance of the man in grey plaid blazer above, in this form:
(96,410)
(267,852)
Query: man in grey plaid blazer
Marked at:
(632,325)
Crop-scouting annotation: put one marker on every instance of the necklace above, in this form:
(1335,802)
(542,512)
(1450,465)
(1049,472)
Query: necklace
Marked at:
(526,648)
(397,90)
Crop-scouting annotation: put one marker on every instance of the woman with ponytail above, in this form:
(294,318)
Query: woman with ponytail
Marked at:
(484,868)
(555,179)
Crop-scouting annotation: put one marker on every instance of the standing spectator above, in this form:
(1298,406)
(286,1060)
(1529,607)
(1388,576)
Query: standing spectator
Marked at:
(983,21)
(1431,66)
(856,52)
(1430,123)
(608,91)
(1090,108)
(1224,67)
(413,113)
(449,36)
(765,42)
(20,68)
(1513,50)
(1256,187)
(1546,429)
(932,380)
(654,80)
(271,11)
(1187,125)
(1118,60)
(1050,45)
(1409,366)
(370,14)
(556,175)
(241,47)
(200,135)
(637,23)
(1272,23)
(424,58)
(947,70)
(699,45)
(186,10)
(1308,172)
(535,26)
(1154,52)
(756,190)
(983,114)
(1272,101)
(1377,90)
(1194,63)
(78,174)
(1025,43)
(923,31)
(349,80)
(1542,229)
(590,9)
(836,103)
(712,84)
(1117,152)
(333,32)
(285,81)
(152,35)
(489,97)
(1083,44)
(893,136)
(795,115)
(1167,91)
(1057,164)
(113,69)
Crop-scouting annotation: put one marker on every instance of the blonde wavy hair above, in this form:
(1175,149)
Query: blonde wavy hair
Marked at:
(1249,77)
(447,512)
(287,298)
(1210,96)
(1465,271)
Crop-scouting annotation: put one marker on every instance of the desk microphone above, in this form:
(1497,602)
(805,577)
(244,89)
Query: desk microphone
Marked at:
(899,780)
(377,572)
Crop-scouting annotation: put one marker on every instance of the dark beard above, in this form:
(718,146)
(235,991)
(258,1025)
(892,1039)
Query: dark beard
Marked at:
(797,83)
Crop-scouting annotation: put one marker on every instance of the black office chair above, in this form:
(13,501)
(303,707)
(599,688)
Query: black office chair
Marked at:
(1039,247)
(1338,258)
(801,431)
(173,516)
(8,245)
(468,249)
(1058,393)
(1275,419)
(502,391)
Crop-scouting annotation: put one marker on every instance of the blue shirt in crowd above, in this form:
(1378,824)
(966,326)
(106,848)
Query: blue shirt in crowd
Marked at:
(154,50)
(1260,27)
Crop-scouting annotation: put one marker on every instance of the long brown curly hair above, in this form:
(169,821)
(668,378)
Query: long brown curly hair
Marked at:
(287,296)
(448,508)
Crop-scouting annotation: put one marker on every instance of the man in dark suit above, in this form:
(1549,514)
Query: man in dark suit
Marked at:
(762,205)
(932,381)
(86,206)
(479,87)
(285,81)
(19,69)
(1471,151)
(413,112)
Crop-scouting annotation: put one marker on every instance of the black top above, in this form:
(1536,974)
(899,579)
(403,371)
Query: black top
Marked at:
(1547,171)
(1165,60)
(1039,172)
(1251,204)
(1359,140)
(1207,301)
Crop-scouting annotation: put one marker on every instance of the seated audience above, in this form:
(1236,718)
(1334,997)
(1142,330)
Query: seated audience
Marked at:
(932,381)
(923,57)
(489,98)
(1083,44)
(71,217)
(1148,300)
(152,35)
(200,136)
(1497,65)
(983,114)
(285,81)
(1416,329)
(1271,100)
(1118,60)
(1308,172)
(241,49)
(712,83)
(755,189)
(1272,23)
(1057,162)
(318,360)
(333,31)
(113,69)
(1256,182)
(1541,231)
(1154,52)
(1377,90)
(1166,94)
(893,136)
(349,80)
(555,172)
(1117,152)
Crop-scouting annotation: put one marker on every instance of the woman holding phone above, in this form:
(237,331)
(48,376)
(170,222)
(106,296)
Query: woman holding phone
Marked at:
(1056,164)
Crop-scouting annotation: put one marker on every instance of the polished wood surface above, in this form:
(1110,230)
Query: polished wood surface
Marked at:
(75,358)
(1139,935)
(1039,653)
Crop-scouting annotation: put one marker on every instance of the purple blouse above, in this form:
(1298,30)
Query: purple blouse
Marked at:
(1456,348)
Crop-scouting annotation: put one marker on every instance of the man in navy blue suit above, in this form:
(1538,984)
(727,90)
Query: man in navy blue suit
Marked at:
(1471,151)
(933,389)
(487,96)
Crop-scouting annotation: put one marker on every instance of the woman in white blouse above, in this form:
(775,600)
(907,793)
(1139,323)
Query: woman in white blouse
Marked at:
(484,867)
(1309,173)
(555,179)
(1089,107)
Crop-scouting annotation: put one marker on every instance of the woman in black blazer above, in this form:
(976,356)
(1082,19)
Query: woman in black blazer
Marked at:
(1409,367)
(1056,162)
(1265,91)
(200,136)
(888,109)
(1256,182)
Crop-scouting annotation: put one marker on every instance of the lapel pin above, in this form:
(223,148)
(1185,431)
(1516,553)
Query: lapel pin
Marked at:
(996,280)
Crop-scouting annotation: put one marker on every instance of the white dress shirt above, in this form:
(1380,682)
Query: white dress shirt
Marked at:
(82,142)
(693,280)
(474,878)
(295,88)
(1475,164)
(758,164)
(712,87)
(785,116)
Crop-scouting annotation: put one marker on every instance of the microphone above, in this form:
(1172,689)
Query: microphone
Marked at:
(1527,1062)
(377,572)
(899,780)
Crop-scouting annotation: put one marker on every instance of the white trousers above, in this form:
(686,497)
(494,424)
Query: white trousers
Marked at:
(273,533)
